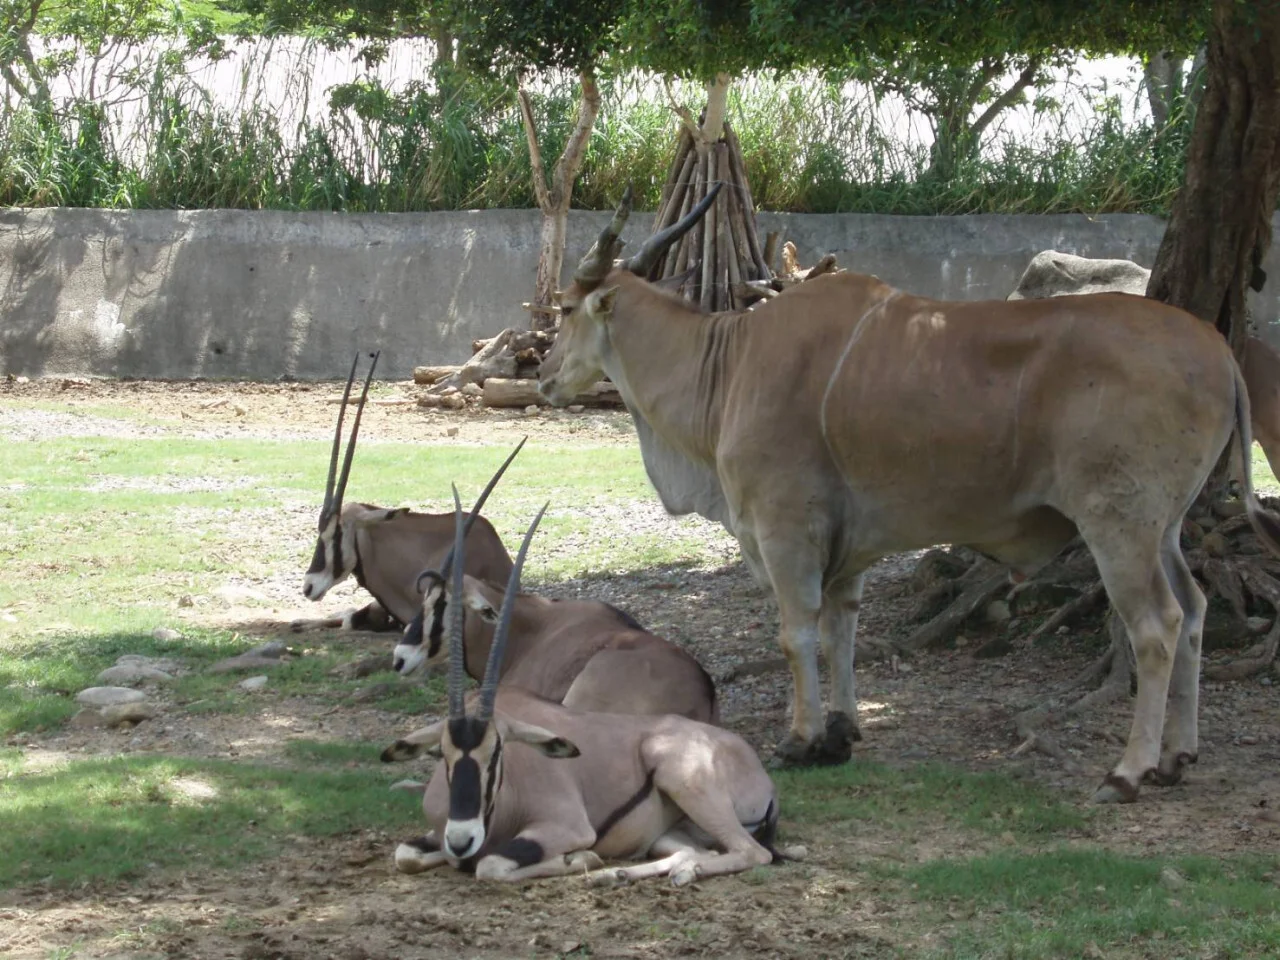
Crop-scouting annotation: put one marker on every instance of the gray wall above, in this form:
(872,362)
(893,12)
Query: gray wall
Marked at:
(259,295)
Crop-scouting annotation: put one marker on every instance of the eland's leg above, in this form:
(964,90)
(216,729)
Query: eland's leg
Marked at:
(1134,577)
(838,628)
(1180,745)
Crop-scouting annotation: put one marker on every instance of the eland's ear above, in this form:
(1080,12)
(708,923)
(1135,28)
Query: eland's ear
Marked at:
(541,739)
(477,603)
(362,514)
(599,303)
(425,740)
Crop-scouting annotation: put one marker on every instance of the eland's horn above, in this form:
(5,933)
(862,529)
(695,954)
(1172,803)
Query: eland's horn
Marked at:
(337,442)
(447,564)
(456,613)
(643,260)
(489,688)
(355,432)
(599,259)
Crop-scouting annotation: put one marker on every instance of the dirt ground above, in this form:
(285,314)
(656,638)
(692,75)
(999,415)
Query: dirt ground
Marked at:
(342,898)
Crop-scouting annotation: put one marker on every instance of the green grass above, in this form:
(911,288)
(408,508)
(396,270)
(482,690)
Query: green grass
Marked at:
(100,820)
(1088,902)
(925,795)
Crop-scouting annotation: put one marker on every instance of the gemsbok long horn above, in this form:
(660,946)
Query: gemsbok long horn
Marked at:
(489,688)
(337,444)
(457,672)
(642,261)
(446,564)
(355,432)
(599,259)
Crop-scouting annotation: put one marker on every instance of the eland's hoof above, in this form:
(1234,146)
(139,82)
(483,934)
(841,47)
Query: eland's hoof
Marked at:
(684,875)
(1170,771)
(842,733)
(1115,789)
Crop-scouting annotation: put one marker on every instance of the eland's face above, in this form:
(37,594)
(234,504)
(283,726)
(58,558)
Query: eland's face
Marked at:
(471,749)
(576,360)
(422,643)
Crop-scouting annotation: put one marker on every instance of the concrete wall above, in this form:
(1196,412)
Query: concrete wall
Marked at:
(234,294)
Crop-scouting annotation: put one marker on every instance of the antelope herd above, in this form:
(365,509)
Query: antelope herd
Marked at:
(825,428)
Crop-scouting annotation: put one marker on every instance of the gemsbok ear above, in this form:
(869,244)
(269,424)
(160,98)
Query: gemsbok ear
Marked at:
(541,739)
(425,740)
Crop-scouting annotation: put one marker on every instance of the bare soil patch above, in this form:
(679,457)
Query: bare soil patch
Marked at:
(343,899)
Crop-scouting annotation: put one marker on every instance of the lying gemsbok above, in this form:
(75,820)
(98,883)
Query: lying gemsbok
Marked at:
(385,548)
(845,420)
(583,653)
(528,788)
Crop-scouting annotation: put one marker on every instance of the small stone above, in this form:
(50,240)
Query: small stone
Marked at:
(454,401)
(374,663)
(272,651)
(472,390)
(1248,740)
(531,410)
(186,600)
(998,611)
(1215,544)
(1226,509)
(575,408)
(1258,625)
(409,786)
(244,663)
(239,410)
(961,642)
(109,696)
(1172,879)
(232,594)
(451,432)
(117,714)
(168,634)
(123,673)
(253,683)
(375,691)
(1266,681)
(569,946)
(1063,631)
(22,380)
(448,391)
(86,719)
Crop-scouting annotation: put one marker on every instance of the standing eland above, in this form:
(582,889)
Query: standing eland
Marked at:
(845,420)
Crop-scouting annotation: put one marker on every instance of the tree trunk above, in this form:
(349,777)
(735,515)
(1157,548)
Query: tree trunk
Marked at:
(1220,227)
(717,105)
(554,198)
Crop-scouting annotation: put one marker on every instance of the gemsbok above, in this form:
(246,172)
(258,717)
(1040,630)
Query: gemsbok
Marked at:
(527,788)
(585,654)
(384,549)
(845,420)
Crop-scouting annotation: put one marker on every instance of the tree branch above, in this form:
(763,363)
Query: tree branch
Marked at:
(566,168)
(535,151)
(1025,79)
(686,118)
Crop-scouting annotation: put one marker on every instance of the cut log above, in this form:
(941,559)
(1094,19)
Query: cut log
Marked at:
(944,627)
(499,392)
(495,359)
(520,340)
(429,375)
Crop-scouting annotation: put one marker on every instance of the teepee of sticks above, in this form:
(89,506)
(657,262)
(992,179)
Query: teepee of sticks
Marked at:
(729,266)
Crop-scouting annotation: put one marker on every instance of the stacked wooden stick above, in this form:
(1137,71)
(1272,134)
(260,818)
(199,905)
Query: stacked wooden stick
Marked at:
(723,249)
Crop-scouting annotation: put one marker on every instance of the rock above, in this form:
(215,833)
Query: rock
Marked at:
(569,946)
(1192,533)
(272,651)
(253,683)
(232,594)
(409,786)
(1226,509)
(109,696)
(374,663)
(120,713)
(531,410)
(1248,740)
(1215,544)
(451,432)
(1172,879)
(448,391)
(374,691)
(168,634)
(472,390)
(454,401)
(575,408)
(1258,625)
(123,673)
(186,600)
(936,566)
(997,611)
(244,662)
(86,719)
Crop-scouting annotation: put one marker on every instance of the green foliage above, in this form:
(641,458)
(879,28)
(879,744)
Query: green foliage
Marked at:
(808,147)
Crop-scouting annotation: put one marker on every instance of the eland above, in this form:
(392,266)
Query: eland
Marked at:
(845,420)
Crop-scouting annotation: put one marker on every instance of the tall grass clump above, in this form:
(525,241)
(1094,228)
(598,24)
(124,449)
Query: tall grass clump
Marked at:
(455,141)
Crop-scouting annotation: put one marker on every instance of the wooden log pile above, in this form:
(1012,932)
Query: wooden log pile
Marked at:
(961,595)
